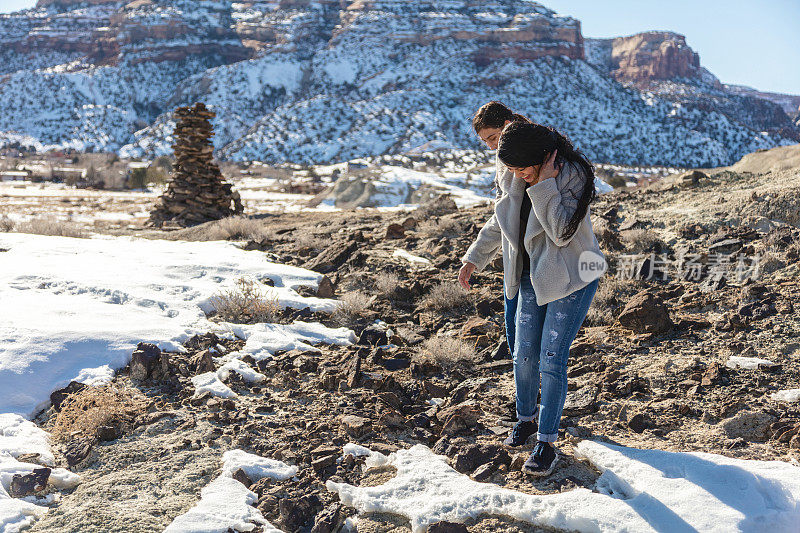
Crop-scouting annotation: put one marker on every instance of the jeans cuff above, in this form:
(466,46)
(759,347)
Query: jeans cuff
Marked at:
(544,437)
(525,418)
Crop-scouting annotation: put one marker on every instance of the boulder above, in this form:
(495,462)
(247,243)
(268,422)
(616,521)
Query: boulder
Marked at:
(143,360)
(203,362)
(646,313)
(332,257)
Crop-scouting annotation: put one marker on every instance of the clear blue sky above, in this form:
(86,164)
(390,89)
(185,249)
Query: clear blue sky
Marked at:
(748,42)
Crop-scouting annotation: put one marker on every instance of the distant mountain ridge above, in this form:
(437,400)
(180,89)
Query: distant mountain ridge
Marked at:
(330,80)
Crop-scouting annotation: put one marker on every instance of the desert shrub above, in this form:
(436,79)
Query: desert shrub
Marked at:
(616,181)
(441,227)
(437,206)
(386,283)
(305,239)
(50,226)
(234,228)
(447,352)
(137,178)
(84,412)
(6,224)
(445,296)
(246,303)
(642,240)
(352,306)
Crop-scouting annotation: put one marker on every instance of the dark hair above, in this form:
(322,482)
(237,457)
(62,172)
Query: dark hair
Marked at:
(494,115)
(524,145)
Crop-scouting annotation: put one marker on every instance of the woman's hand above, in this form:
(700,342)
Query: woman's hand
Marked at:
(549,168)
(465,273)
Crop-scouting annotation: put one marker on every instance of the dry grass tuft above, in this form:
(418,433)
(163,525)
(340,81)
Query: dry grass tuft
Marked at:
(642,240)
(441,227)
(446,296)
(447,352)
(386,283)
(352,306)
(51,226)
(84,412)
(246,303)
(237,228)
(6,224)
(611,296)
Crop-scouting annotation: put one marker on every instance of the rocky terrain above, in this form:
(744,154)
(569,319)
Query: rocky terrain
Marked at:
(314,82)
(670,362)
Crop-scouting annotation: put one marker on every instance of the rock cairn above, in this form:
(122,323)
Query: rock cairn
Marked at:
(197,191)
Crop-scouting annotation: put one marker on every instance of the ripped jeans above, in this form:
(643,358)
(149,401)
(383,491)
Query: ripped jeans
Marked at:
(539,342)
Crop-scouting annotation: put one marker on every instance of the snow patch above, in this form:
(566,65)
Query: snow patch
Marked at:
(788,395)
(227,504)
(639,490)
(82,305)
(748,363)
(411,257)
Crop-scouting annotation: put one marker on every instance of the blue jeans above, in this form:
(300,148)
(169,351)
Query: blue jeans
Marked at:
(541,337)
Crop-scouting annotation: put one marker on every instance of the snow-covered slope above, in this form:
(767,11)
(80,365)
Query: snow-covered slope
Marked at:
(312,82)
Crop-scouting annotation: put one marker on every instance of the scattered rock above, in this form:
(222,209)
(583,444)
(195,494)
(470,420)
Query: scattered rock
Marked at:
(646,313)
(325,289)
(373,336)
(144,360)
(637,423)
(751,426)
(472,456)
(332,257)
(447,527)
(477,326)
(77,450)
(57,397)
(27,484)
(458,417)
(295,512)
(356,426)
(242,477)
(581,401)
(395,231)
(331,519)
(203,362)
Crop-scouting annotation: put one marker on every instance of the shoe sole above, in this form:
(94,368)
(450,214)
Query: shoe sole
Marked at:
(549,471)
(527,446)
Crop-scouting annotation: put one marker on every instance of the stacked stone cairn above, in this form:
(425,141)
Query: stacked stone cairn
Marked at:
(197,192)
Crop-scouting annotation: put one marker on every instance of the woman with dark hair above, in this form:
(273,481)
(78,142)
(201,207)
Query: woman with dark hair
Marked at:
(490,119)
(488,123)
(552,264)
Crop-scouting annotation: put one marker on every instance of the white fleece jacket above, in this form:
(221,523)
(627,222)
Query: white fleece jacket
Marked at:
(554,261)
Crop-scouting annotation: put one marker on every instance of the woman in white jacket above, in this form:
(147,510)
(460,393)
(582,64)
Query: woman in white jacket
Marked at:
(551,263)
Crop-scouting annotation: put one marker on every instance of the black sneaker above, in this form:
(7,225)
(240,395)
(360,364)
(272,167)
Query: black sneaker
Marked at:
(542,461)
(520,433)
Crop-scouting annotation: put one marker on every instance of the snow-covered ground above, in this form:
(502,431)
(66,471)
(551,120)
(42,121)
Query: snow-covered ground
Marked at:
(226,504)
(638,491)
(74,309)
